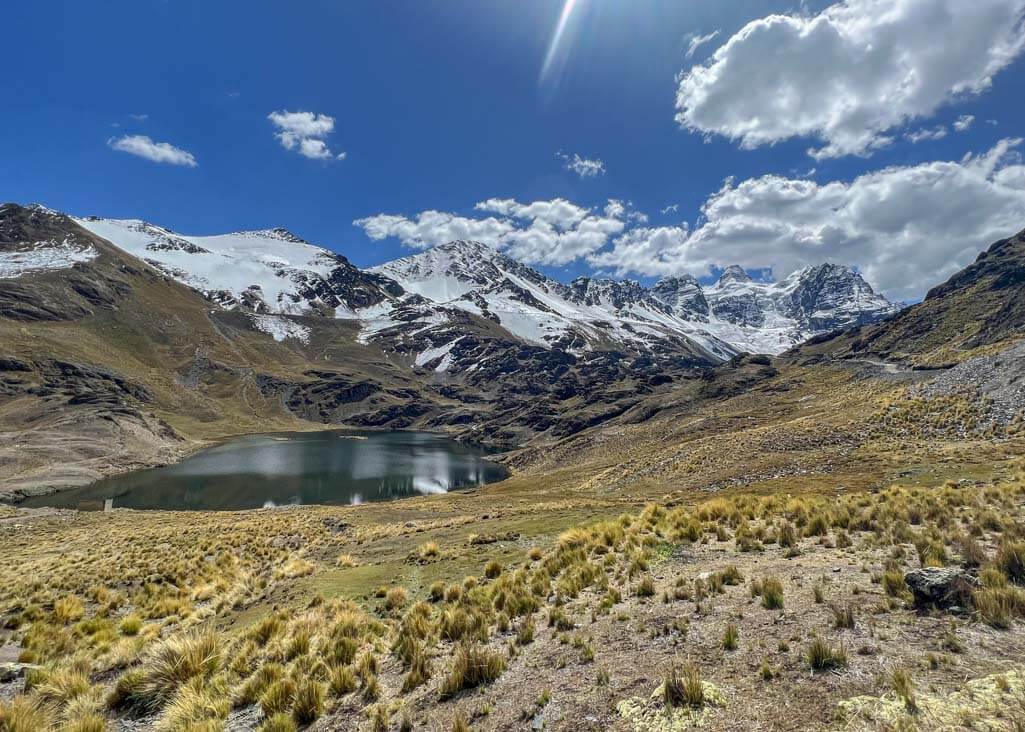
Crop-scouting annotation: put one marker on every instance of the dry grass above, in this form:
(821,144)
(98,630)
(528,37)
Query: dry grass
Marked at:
(593,580)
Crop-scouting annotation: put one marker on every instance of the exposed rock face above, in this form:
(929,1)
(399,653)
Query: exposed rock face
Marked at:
(828,297)
(590,314)
(614,295)
(683,295)
(811,301)
(982,304)
(941,587)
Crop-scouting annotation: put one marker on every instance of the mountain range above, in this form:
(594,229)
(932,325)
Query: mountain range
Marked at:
(408,302)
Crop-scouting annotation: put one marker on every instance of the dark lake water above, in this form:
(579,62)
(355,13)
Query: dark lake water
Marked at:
(294,468)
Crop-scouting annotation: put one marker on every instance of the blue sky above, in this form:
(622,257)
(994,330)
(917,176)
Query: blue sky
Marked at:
(440,105)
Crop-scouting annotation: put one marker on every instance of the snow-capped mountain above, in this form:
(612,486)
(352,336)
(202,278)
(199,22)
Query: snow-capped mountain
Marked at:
(271,271)
(588,314)
(423,306)
(770,317)
(736,314)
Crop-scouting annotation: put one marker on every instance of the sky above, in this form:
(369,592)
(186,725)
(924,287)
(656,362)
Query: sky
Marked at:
(631,139)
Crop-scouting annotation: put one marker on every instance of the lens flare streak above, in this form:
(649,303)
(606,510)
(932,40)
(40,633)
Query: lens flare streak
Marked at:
(557,37)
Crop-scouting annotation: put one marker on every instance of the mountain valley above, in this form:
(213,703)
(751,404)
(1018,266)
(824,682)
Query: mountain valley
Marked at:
(778,519)
(262,328)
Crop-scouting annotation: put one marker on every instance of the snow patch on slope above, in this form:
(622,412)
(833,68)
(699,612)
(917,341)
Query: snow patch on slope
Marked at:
(280,328)
(44,256)
(431,354)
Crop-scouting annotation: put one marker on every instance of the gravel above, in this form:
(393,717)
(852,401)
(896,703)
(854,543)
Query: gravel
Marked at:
(1000,379)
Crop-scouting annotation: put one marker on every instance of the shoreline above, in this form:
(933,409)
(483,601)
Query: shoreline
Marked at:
(15,497)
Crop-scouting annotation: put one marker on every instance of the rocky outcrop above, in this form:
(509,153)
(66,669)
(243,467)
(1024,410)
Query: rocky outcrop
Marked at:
(945,588)
(683,295)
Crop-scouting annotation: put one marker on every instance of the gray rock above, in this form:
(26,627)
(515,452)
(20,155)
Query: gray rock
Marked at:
(941,587)
(13,671)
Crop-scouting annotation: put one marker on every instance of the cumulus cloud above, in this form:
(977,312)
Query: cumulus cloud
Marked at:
(964,122)
(553,232)
(905,228)
(851,73)
(584,167)
(695,41)
(158,152)
(304,132)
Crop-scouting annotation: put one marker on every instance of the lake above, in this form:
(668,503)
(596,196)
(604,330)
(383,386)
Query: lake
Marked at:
(328,467)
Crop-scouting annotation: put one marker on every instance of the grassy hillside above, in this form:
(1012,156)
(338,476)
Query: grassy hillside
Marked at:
(746,551)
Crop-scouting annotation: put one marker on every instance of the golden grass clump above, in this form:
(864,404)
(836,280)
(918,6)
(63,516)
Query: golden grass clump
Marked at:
(683,688)
(168,666)
(278,697)
(395,598)
(771,590)
(68,609)
(472,666)
(821,656)
(25,714)
(347,561)
(280,722)
(309,702)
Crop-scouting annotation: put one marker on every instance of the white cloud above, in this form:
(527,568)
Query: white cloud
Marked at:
(139,117)
(851,73)
(695,41)
(671,208)
(551,232)
(584,167)
(964,122)
(926,134)
(159,152)
(304,132)
(905,228)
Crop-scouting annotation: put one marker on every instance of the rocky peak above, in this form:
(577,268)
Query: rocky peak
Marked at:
(733,273)
(683,295)
(826,296)
(283,234)
(468,248)
(607,293)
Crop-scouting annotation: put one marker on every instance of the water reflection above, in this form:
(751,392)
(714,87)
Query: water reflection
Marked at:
(295,468)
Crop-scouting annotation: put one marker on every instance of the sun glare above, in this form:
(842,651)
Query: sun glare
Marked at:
(557,38)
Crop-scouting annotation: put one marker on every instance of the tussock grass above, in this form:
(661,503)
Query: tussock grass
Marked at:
(683,687)
(472,666)
(821,656)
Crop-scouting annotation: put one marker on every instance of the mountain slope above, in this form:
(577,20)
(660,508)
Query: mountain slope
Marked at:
(761,317)
(274,272)
(270,271)
(106,363)
(140,343)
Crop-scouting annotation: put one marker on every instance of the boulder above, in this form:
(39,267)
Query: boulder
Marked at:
(942,587)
